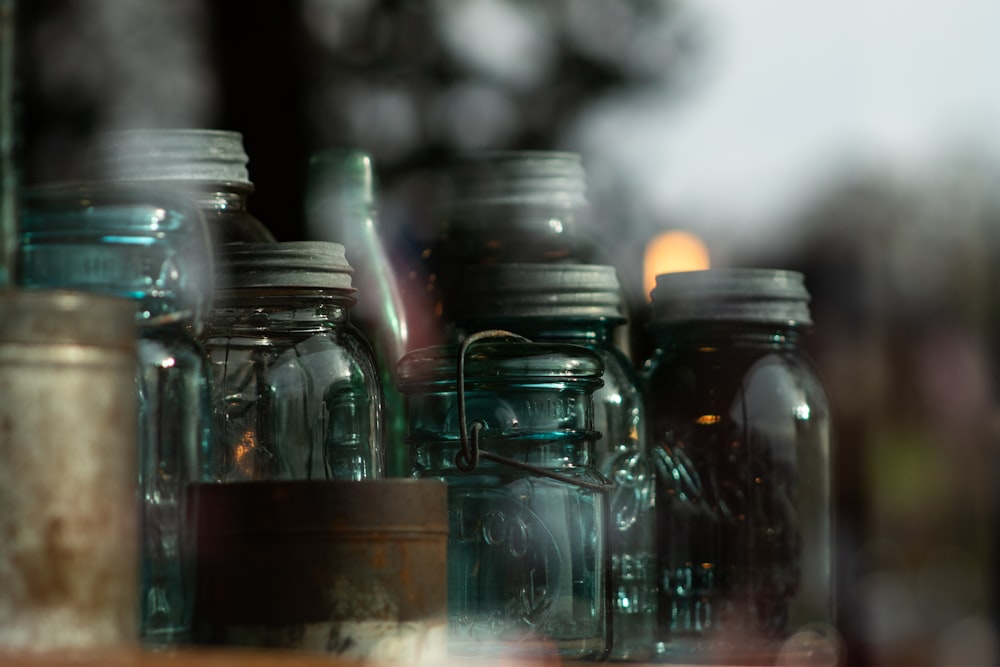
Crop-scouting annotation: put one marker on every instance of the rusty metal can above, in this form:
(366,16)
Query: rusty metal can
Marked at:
(68,529)
(349,568)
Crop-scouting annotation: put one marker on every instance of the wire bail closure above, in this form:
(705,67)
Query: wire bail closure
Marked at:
(469,455)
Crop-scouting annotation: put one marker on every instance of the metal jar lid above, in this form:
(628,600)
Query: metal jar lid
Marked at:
(517,290)
(499,362)
(293,264)
(765,296)
(171,155)
(519,178)
(55,317)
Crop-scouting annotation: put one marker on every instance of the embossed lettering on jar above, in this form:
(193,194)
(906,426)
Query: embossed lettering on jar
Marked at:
(526,552)
(581,304)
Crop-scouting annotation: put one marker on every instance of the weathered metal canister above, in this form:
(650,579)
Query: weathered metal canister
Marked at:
(350,568)
(69,518)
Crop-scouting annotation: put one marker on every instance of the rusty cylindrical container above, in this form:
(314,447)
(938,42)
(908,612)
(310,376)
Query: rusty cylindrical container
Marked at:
(68,527)
(350,568)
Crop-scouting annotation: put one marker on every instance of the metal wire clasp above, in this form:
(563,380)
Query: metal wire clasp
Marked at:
(468,456)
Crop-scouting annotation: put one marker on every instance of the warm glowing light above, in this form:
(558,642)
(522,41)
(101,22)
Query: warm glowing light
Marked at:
(246,445)
(672,251)
(706,420)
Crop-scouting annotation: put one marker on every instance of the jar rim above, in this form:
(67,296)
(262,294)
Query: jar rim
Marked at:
(508,361)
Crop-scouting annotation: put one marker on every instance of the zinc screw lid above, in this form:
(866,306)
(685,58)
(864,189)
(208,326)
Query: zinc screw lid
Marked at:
(518,177)
(171,155)
(292,264)
(771,296)
(520,290)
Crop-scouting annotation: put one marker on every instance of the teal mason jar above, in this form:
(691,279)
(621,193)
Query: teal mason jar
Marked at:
(296,393)
(153,249)
(741,425)
(582,304)
(508,424)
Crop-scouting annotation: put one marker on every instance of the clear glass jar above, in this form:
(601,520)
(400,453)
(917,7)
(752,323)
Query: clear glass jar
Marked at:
(152,248)
(581,304)
(512,435)
(296,391)
(208,166)
(741,425)
(341,207)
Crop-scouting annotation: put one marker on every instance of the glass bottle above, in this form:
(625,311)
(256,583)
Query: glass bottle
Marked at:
(208,166)
(296,391)
(507,206)
(510,429)
(742,429)
(581,304)
(152,248)
(341,207)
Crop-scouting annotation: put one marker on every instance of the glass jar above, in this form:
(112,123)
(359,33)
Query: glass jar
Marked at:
(741,425)
(152,248)
(296,391)
(581,304)
(509,426)
(506,206)
(208,166)
(340,207)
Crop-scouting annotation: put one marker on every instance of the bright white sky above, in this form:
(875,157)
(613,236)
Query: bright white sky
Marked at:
(791,89)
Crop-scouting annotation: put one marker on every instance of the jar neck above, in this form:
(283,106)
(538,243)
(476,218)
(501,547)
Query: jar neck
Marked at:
(587,332)
(276,308)
(222,197)
(702,335)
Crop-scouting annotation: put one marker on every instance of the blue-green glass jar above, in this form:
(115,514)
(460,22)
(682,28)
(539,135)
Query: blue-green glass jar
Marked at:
(741,425)
(296,391)
(152,248)
(510,429)
(581,304)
